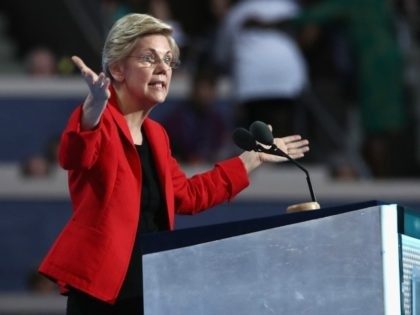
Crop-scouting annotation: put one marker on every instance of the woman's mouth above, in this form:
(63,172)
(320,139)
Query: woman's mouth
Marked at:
(158,84)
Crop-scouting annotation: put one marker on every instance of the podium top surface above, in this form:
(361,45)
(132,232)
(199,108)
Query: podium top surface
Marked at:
(156,242)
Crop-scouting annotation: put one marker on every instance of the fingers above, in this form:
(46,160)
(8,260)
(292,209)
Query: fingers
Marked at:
(291,142)
(293,145)
(99,88)
(79,63)
(89,75)
(98,84)
(291,138)
(298,152)
(297,149)
(102,81)
(297,144)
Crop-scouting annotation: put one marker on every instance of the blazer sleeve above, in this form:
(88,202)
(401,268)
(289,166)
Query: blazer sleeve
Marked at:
(80,149)
(208,189)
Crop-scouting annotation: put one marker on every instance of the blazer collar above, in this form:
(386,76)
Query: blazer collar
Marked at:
(122,123)
(118,115)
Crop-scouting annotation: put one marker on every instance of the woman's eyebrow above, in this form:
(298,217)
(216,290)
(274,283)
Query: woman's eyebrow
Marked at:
(153,51)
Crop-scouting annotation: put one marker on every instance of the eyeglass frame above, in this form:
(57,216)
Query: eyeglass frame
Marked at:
(173,64)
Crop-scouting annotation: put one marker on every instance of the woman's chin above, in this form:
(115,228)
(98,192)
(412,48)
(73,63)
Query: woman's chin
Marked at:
(158,98)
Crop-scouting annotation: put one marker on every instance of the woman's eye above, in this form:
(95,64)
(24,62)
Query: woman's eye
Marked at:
(149,58)
(167,60)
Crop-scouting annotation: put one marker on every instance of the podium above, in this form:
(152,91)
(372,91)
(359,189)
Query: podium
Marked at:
(353,259)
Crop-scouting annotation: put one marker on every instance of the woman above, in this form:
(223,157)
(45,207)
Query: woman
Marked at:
(123,180)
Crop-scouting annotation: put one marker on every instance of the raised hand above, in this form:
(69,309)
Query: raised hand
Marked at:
(98,96)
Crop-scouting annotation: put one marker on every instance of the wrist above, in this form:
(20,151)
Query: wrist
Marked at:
(251,160)
(91,112)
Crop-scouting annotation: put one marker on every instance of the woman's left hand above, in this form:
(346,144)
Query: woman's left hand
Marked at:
(293,145)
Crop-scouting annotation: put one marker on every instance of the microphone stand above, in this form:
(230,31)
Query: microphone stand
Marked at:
(274,150)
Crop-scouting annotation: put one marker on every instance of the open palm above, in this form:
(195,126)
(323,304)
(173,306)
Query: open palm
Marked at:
(294,146)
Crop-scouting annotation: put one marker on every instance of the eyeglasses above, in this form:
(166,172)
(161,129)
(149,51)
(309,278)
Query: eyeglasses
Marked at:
(152,60)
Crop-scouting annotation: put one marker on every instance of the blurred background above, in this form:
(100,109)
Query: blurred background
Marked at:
(344,74)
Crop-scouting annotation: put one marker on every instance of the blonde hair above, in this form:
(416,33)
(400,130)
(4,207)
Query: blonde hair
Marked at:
(122,37)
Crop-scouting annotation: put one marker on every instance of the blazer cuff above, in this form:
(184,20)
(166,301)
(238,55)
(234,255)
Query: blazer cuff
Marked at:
(236,174)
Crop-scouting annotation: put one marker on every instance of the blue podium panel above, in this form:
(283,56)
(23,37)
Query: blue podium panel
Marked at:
(340,264)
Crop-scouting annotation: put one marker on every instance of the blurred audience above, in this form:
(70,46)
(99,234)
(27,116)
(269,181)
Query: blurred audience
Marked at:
(265,63)
(42,165)
(197,128)
(359,56)
(201,53)
(39,284)
(41,62)
(112,10)
(408,12)
(36,166)
(370,28)
(340,168)
(161,9)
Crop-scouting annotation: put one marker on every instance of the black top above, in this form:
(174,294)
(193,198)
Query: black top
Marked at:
(153,218)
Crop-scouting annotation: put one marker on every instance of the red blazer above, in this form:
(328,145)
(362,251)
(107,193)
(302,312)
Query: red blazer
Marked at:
(92,252)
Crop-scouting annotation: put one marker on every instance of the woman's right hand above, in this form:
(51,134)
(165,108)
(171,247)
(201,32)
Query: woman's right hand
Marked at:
(98,96)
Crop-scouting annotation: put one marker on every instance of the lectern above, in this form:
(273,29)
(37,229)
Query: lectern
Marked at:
(354,259)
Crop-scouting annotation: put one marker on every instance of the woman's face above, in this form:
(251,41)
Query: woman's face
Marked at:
(146,73)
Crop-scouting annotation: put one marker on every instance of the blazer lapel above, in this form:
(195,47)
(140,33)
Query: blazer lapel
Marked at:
(159,147)
(157,144)
(118,116)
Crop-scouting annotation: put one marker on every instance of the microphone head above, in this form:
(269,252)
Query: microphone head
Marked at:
(261,132)
(244,139)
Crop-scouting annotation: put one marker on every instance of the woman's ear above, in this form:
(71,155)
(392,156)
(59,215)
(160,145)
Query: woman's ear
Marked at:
(116,70)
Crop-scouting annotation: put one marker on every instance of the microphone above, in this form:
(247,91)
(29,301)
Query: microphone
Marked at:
(259,131)
(244,139)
